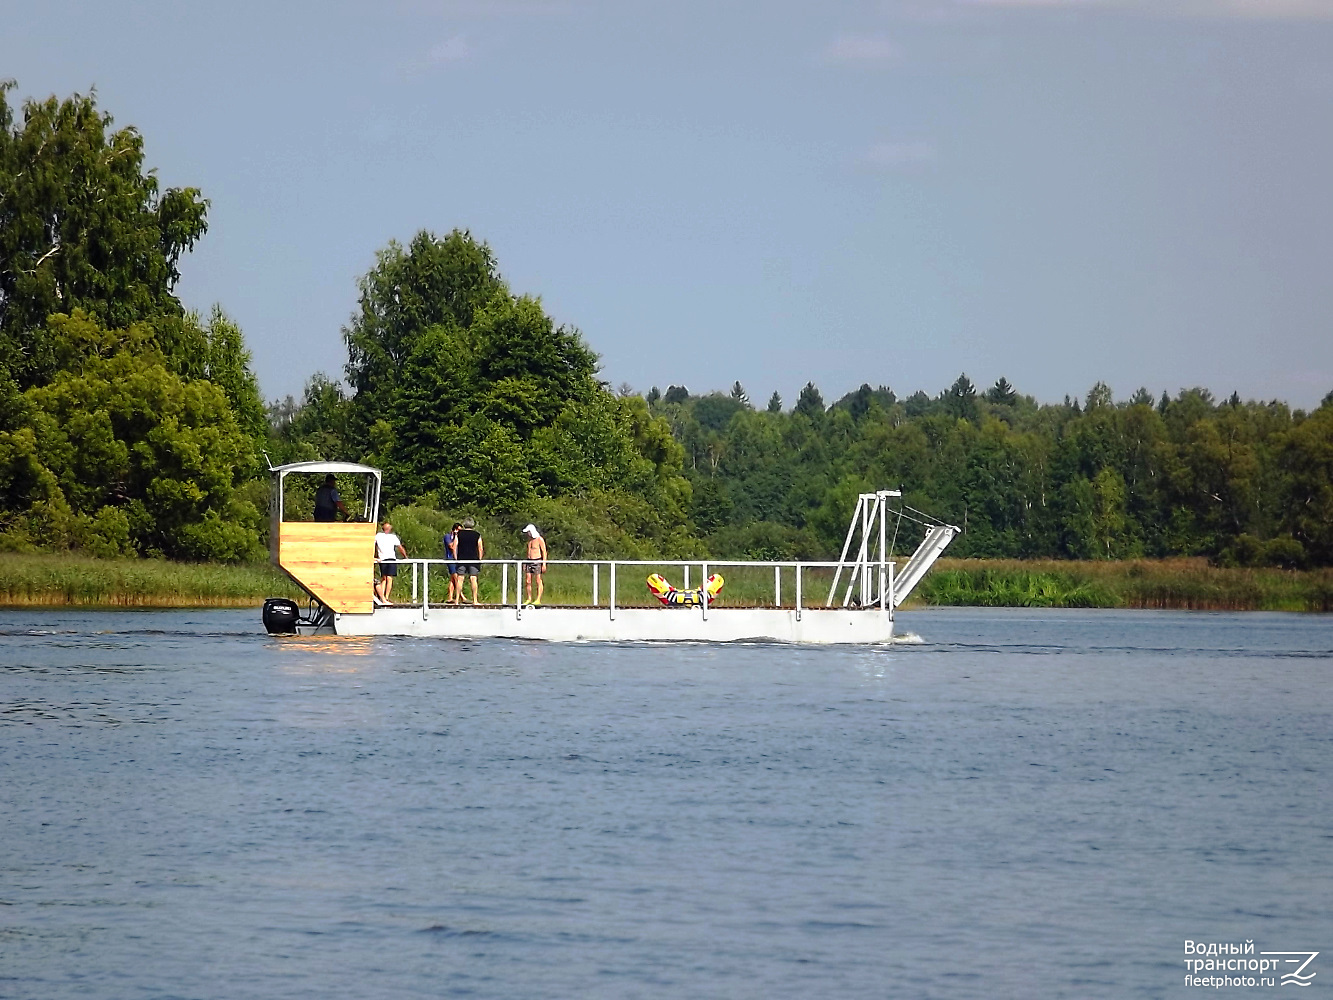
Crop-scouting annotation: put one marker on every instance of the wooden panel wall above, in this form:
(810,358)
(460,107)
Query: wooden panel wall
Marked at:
(335,561)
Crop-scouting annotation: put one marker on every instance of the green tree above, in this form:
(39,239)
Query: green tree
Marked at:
(474,399)
(1002,393)
(712,505)
(1304,457)
(715,410)
(513,370)
(1099,397)
(918,404)
(1078,523)
(961,399)
(227,366)
(1108,514)
(859,404)
(84,227)
(810,403)
(432,283)
(118,455)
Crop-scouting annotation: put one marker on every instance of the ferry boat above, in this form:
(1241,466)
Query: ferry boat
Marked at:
(334,564)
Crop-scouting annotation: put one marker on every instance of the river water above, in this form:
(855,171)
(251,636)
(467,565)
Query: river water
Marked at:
(1021,804)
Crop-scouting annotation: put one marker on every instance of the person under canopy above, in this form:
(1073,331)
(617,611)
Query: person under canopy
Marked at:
(328,502)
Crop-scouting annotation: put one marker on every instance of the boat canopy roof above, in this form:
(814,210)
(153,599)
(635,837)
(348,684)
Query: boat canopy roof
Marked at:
(324,467)
(281,472)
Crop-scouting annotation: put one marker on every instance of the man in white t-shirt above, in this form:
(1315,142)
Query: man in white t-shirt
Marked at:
(387,545)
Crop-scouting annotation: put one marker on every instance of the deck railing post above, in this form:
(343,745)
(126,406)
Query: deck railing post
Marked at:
(891,568)
(686,585)
(595,602)
(414,582)
(867,517)
(883,541)
(703,588)
(798,591)
(504,584)
(518,588)
(612,602)
(425,593)
(777,586)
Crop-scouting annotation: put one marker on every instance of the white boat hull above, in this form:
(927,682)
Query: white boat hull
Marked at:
(817,626)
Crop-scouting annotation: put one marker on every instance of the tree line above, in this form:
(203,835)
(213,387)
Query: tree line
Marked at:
(1241,482)
(131,426)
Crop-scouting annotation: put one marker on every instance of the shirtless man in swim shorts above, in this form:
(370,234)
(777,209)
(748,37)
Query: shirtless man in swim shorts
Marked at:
(536,564)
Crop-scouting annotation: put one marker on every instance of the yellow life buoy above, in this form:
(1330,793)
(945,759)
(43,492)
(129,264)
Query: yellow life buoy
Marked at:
(673,598)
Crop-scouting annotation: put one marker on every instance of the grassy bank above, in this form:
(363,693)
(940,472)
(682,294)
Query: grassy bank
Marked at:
(1164,583)
(47,580)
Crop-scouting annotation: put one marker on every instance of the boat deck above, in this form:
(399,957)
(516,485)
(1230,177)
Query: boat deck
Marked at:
(568,624)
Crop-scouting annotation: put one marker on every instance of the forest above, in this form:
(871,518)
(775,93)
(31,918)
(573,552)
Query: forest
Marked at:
(131,426)
(1241,482)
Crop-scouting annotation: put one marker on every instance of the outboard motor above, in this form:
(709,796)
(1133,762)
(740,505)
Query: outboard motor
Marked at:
(281,616)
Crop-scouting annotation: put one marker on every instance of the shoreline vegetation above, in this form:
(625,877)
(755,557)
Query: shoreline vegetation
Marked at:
(42,580)
(56,580)
(1183,584)
(132,427)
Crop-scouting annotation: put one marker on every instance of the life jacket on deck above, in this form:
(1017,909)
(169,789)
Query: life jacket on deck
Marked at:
(673,598)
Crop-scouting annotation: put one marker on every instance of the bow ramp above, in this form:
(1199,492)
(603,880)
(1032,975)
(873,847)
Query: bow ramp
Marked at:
(872,580)
(931,548)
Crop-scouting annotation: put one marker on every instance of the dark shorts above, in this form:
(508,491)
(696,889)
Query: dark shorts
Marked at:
(533,568)
(388,569)
(452,568)
(469,569)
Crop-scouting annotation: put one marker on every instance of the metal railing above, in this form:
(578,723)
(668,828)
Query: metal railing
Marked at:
(422,572)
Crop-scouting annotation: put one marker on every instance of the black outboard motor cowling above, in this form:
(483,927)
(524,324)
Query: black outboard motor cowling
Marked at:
(281,616)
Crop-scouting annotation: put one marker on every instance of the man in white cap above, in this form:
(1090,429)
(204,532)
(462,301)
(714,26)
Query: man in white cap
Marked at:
(536,564)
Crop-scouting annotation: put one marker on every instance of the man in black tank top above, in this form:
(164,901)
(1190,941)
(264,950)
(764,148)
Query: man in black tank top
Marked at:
(471,551)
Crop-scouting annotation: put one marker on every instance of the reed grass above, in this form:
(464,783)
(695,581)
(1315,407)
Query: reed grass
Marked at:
(34,580)
(1187,584)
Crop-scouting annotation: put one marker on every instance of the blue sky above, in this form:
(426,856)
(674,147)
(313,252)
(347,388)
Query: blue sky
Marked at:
(1056,191)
